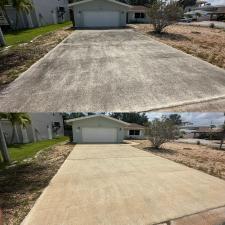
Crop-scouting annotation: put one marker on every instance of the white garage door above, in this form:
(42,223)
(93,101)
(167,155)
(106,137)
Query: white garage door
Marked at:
(101,19)
(99,135)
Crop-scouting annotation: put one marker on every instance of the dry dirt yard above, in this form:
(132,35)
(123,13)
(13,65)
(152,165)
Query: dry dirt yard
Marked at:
(205,43)
(15,60)
(206,159)
(22,185)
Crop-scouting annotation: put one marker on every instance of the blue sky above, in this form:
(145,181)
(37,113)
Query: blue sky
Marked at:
(195,118)
(217,2)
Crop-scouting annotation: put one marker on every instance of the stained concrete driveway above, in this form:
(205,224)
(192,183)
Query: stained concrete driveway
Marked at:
(121,185)
(115,70)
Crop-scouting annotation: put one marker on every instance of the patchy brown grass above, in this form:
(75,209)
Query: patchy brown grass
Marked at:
(199,157)
(15,60)
(22,185)
(205,43)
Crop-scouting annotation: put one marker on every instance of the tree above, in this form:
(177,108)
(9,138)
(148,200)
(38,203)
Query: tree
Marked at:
(185,3)
(21,119)
(3,3)
(175,119)
(163,14)
(139,118)
(161,131)
(21,6)
(3,146)
(67,116)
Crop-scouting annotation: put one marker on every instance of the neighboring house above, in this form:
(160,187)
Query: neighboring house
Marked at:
(208,133)
(204,11)
(43,126)
(99,13)
(44,12)
(138,14)
(134,131)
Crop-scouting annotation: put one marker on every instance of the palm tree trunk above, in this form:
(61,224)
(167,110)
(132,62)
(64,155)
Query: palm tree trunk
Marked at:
(6,16)
(2,39)
(14,135)
(24,134)
(4,149)
(17,19)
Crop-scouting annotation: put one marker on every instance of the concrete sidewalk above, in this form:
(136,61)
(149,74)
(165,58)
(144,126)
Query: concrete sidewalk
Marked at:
(121,185)
(116,70)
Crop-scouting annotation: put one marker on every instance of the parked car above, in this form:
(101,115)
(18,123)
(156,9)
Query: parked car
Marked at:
(186,20)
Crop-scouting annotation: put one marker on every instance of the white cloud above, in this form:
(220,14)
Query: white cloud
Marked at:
(217,2)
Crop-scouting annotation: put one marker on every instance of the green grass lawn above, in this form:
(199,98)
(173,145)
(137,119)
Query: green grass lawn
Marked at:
(23,36)
(23,151)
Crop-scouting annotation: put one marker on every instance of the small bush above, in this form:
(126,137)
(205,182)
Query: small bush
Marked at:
(212,25)
(198,142)
(163,14)
(161,131)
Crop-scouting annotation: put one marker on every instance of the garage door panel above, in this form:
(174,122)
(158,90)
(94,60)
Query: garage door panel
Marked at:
(101,19)
(99,135)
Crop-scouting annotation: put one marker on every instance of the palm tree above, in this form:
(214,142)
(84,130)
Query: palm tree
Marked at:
(21,6)
(4,149)
(21,119)
(2,39)
(3,3)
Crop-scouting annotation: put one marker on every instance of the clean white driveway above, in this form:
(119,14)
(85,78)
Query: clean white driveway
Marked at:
(121,185)
(115,70)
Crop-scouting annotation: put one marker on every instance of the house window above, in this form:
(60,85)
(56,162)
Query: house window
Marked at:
(139,15)
(134,132)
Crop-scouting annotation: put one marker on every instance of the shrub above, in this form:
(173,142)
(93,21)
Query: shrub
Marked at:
(160,132)
(163,14)
(212,25)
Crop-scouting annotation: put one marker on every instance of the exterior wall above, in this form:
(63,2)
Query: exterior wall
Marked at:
(98,5)
(141,136)
(42,123)
(96,122)
(131,17)
(44,13)
(37,130)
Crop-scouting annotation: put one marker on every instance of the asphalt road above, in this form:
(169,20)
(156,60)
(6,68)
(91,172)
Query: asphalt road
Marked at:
(122,185)
(116,70)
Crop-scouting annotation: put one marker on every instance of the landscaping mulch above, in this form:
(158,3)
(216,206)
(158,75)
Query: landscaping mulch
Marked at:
(204,158)
(21,185)
(203,42)
(17,59)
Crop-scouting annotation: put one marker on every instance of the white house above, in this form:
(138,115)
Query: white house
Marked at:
(103,129)
(44,12)
(138,14)
(99,13)
(43,126)
(134,131)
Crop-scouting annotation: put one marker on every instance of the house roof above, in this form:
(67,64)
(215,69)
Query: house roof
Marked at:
(138,8)
(96,116)
(134,126)
(208,130)
(86,1)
